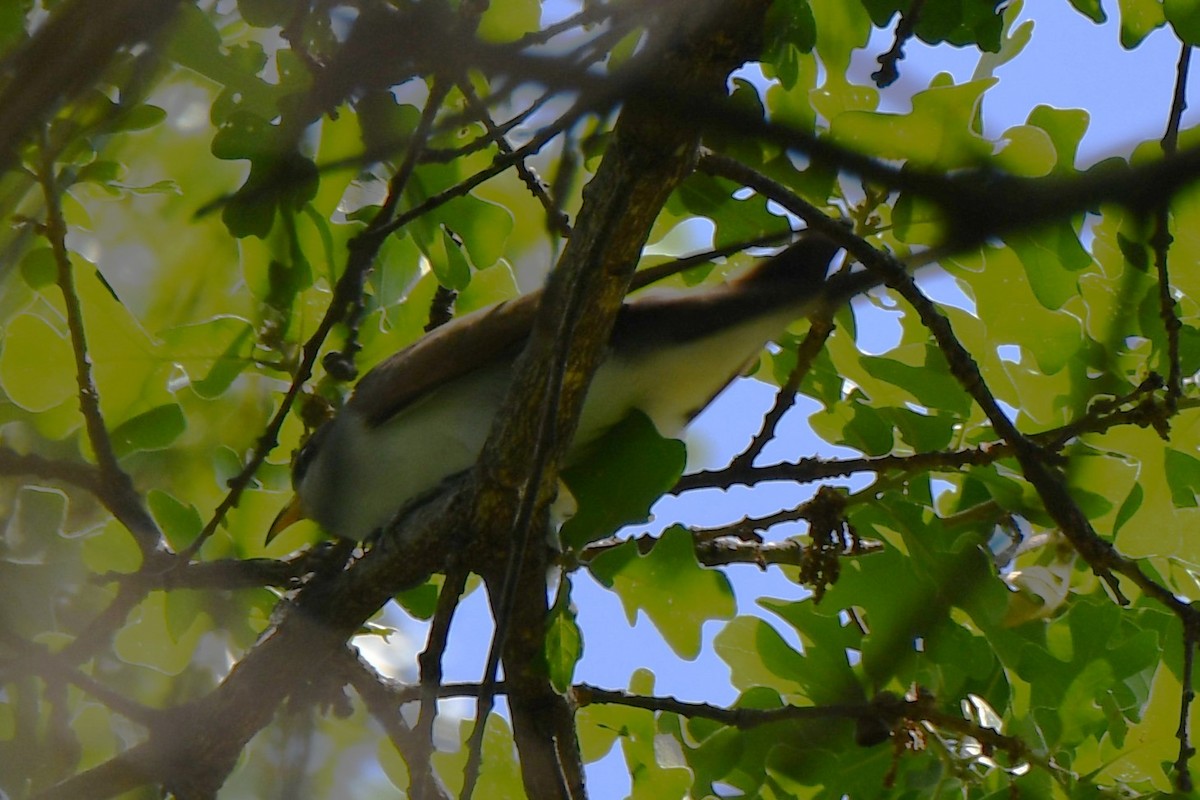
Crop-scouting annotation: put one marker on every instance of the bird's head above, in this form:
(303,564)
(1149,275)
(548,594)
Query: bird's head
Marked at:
(302,469)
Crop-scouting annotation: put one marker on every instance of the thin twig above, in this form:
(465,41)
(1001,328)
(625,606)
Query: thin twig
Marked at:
(95,635)
(51,666)
(498,165)
(115,483)
(556,218)
(590,15)
(718,551)
(423,779)
(1161,239)
(76,473)
(383,698)
(1099,419)
(366,244)
(1183,774)
(818,332)
(890,710)
(443,155)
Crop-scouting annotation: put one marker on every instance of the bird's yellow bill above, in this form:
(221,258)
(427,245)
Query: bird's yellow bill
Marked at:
(290,515)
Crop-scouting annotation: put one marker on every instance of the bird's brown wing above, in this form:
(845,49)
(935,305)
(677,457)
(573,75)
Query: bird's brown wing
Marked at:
(483,337)
(455,349)
(451,351)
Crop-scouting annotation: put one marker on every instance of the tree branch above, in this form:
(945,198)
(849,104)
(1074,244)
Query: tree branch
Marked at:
(115,485)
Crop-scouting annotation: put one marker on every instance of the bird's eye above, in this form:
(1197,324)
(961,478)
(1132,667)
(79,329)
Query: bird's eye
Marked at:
(308,452)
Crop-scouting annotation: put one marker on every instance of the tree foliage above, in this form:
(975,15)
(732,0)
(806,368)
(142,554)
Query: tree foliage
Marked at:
(223,212)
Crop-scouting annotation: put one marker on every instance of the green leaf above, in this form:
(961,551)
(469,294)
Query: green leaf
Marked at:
(246,215)
(1138,19)
(385,123)
(625,49)
(736,221)
(1184,16)
(37,516)
(617,479)
(147,639)
(882,11)
(421,601)
(181,612)
(564,640)
(99,171)
(1183,476)
(1050,258)
(499,770)
(790,29)
(483,227)
(266,13)
(36,364)
(508,20)
(155,429)
(449,264)
(179,522)
(246,134)
(824,670)
(140,117)
(1028,152)
(855,423)
(939,132)
(1066,127)
(922,432)
(38,267)
(1090,9)
(758,656)
(977,22)
(921,370)
(841,28)
(212,353)
(668,583)
(1133,501)
(228,366)
(1013,39)
(1010,308)
(111,549)
(600,725)
(13,23)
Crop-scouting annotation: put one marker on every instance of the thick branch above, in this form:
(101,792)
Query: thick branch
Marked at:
(649,154)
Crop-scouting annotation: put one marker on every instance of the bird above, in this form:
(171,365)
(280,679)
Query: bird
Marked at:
(423,414)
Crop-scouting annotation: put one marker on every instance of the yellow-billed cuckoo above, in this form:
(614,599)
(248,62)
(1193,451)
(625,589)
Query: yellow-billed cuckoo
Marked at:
(424,413)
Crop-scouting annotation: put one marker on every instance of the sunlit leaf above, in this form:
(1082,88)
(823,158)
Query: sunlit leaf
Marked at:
(147,640)
(564,640)
(35,364)
(1090,9)
(507,20)
(1138,19)
(38,267)
(155,429)
(1184,17)
(677,594)
(179,522)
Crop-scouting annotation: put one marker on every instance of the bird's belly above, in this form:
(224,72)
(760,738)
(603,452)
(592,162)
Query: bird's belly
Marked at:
(672,384)
(439,436)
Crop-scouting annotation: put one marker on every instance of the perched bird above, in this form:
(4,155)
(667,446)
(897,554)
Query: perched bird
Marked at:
(424,413)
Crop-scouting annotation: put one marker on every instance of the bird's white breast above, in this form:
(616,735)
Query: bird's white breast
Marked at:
(430,440)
